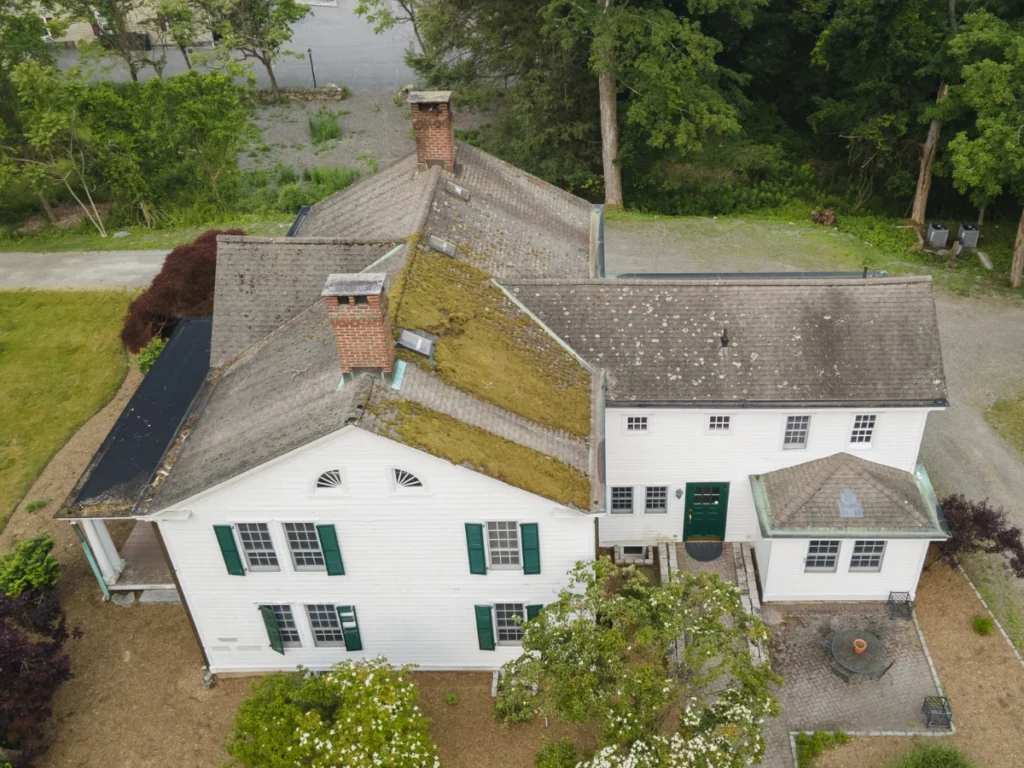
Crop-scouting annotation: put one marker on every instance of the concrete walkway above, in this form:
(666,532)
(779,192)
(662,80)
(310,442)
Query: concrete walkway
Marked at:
(80,269)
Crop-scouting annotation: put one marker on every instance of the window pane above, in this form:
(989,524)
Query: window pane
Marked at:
(509,618)
(323,620)
(656,499)
(863,428)
(304,545)
(503,541)
(867,556)
(622,499)
(286,625)
(822,555)
(797,428)
(636,423)
(719,423)
(259,549)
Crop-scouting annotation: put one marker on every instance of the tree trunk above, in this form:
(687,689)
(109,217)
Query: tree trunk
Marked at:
(1017,268)
(48,208)
(924,176)
(273,80)
(184,55)
(981,215)
(609,127)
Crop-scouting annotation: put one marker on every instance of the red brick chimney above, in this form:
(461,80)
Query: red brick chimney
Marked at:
(432,124)
(358,309)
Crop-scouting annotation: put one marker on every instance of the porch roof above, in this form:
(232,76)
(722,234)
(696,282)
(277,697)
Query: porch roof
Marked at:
(845,496)
(120,471)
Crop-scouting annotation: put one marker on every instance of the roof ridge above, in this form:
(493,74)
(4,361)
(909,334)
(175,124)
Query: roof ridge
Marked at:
(864,472)
(852,280)
(826,468)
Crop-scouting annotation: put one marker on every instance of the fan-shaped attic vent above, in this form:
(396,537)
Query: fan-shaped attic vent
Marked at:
(329,480)
(405,479)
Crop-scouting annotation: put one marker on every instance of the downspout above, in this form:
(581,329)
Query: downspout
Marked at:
(93,565)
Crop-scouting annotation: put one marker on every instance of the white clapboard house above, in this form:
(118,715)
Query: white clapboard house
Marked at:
(310,493)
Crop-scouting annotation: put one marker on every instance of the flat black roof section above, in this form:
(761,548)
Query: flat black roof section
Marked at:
(122,468)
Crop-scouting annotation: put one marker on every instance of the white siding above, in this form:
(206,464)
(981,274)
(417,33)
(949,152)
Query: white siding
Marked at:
(785,580)
(406,563)
(678,448)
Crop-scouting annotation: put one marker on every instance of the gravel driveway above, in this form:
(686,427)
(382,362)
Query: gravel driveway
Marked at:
(80,269)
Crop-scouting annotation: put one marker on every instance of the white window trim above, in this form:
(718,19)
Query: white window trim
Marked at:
(632,511)
(881,558)
(327,645)
(291,644)
(291,554)
(637,432)
(874,431)
(838,556)
(707,423)
(328,492)
(401,490)
(643,498)
(275,542)
(494,619)
(519,543)
(810,424)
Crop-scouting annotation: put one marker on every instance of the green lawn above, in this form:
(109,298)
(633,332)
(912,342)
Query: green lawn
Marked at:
(60,361)
(140,239)
(1007,418)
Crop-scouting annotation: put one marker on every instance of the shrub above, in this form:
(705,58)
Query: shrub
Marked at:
(976,526)
(324,125)
(183,287)
(361,714)
(557,754)
(29,568)
(149,353)
(34,506)
(983,625)
(451,699)
(810,745)
(934,757)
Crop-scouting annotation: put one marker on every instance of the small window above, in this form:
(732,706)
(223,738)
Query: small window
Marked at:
(821,556)
(719,423)
(631,550)
(503,544)
(867,556)
(258,546)
(622,500)
(797,428)
(863,429)
(286,626)
(326,626)
(636,423)
(405,479)
(656,499)
(509,619)
(329,480)
(304,544)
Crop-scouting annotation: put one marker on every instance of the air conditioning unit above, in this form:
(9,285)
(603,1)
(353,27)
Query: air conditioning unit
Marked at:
(968,235)
(938,235)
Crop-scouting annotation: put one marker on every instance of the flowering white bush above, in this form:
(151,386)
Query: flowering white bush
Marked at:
(361,714)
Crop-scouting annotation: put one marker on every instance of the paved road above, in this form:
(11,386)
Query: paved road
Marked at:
(79,269)
(345,52)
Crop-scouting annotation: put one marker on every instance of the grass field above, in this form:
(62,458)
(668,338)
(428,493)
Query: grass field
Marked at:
(60,361)
(1007,418)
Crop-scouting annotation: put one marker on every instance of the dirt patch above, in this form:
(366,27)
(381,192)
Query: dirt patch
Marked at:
(467,734)
(981,676)
(136,688)
(68,215)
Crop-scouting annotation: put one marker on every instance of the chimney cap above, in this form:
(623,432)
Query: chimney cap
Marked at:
(359,284)
(430,97)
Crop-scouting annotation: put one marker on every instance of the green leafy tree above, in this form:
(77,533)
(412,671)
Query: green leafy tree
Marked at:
(120,32)
(361,714)
(988,158)
(385,15)
(621,654)
(179,22)
(257,29)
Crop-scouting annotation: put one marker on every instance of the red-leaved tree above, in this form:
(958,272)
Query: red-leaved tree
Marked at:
(183,287)
(977,526)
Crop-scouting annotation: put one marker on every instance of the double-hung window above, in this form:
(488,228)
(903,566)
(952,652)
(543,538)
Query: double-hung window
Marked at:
(508,621)
(503,544)
(622,500)
(326,626)
(797,429)
(863,429)
(655,499)
(258,546)
(867,556)
(286,626)
(822,556)
(304,544)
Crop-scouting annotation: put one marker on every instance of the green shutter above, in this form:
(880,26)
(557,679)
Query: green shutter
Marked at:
(270,622)
(531,548)
(484,627)
(350,628)
(229,549)
(533,611)
(475,545)
(332,553)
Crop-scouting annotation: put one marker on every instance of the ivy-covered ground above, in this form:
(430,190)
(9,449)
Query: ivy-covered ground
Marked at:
(60,361)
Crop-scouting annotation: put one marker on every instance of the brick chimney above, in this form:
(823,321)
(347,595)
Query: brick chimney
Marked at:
(358,309)
(432,124)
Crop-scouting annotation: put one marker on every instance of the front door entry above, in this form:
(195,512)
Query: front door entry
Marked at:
(706,507)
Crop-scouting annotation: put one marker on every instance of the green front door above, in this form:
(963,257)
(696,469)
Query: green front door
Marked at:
(706,507)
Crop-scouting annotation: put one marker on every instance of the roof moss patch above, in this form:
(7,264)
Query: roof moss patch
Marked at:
(482,451)
(487,346)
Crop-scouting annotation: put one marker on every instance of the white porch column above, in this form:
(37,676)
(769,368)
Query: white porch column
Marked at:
(103,549)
